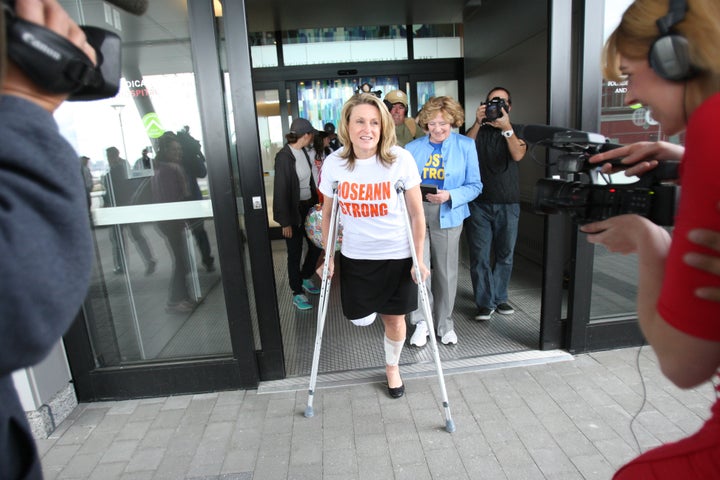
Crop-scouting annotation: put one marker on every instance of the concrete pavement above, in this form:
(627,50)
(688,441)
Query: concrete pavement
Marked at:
(575,419)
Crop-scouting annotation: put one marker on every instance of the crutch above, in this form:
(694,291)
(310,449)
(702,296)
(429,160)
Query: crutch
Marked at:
(324,299)
(425,301)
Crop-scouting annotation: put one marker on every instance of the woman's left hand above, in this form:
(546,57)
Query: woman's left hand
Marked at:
(705,262)
(441,196)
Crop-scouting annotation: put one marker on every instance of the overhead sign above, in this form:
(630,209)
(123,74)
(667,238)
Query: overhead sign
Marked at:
(153,127)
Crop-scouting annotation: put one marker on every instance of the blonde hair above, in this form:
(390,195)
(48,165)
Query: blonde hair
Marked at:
(701,27)
(387,129)
(450,109)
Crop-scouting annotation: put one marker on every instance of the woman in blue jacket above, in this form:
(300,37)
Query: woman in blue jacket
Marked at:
(448,162)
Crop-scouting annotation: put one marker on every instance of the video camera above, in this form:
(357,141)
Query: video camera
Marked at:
(586,201)
(56,65)
(494,109)
(367,88)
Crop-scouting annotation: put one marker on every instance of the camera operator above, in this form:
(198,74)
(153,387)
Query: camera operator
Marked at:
(494,214)
(45,243)
(678,280)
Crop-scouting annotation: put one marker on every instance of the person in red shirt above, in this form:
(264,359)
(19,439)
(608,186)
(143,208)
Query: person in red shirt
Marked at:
(670,57)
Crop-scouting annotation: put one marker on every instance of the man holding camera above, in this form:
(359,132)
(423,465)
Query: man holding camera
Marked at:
(493,223)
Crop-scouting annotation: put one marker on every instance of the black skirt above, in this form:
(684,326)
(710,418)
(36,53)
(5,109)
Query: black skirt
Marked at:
(382,286)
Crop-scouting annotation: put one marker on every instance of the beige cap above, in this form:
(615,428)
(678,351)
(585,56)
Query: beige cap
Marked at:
(397,96)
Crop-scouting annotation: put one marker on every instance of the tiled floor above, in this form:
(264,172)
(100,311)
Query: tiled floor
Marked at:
(579,418)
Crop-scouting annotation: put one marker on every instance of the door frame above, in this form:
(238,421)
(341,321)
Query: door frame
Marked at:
(575,75)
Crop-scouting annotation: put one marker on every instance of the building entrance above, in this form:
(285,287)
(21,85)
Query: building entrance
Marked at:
(351,351)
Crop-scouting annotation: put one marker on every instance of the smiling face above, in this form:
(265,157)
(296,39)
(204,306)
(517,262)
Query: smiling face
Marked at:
(398,112)
(664,97)
(439,128)
(364,130)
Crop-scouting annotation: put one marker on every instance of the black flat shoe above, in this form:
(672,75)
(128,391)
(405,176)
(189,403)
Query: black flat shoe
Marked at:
(396,392)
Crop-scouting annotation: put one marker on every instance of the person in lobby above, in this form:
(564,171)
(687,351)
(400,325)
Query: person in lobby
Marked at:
(376,266)
(494,215)
(47,248)
(669,53)
(193,163)
(119,192)
(169,184)
(294,192)
(406,129)
(87,178)
(448,162)
(333,142)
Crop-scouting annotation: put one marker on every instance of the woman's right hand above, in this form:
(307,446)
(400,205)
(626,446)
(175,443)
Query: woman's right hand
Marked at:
(287,232)
(709,263)
(424,272)
(331,268)
(643,156)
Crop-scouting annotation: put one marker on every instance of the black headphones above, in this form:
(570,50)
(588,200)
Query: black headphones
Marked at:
(670,53)
(56,65)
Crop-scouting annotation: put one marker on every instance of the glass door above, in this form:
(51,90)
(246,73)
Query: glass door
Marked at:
(270,113)
(157,317)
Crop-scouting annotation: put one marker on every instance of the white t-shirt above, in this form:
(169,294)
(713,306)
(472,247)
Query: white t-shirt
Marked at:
(373,226)
(303,170)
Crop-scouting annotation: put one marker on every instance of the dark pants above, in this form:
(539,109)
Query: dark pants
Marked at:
(18,454)
(202,241)
(174,232)
(138,238)
(297,273)
(491,227)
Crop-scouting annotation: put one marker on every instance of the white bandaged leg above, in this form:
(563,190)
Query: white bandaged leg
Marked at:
(392,351)
(365,321)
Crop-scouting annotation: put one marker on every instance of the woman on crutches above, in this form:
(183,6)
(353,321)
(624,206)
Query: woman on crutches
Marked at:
(376,266)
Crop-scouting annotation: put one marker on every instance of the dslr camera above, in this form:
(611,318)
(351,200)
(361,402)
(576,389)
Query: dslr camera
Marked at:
(494,109)
(585,201)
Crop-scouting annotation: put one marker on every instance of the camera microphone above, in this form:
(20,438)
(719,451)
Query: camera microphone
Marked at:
(542,133)
(136,7)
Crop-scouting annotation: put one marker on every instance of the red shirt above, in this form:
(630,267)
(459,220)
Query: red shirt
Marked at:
(699,198)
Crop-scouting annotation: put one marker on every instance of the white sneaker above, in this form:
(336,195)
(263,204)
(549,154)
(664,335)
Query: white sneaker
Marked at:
(419,338)
(449,338)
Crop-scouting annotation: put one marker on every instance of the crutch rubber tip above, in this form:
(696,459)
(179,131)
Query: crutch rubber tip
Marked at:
(449,426)
(309,413)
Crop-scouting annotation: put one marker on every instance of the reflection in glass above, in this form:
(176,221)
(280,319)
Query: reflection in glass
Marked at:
(615,276)
(373,43)
(267,104)
(437,88)
(437,41)
(321,101)
(126,311)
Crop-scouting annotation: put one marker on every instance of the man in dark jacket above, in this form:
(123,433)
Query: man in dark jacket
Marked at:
(193,163)
(45,242)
